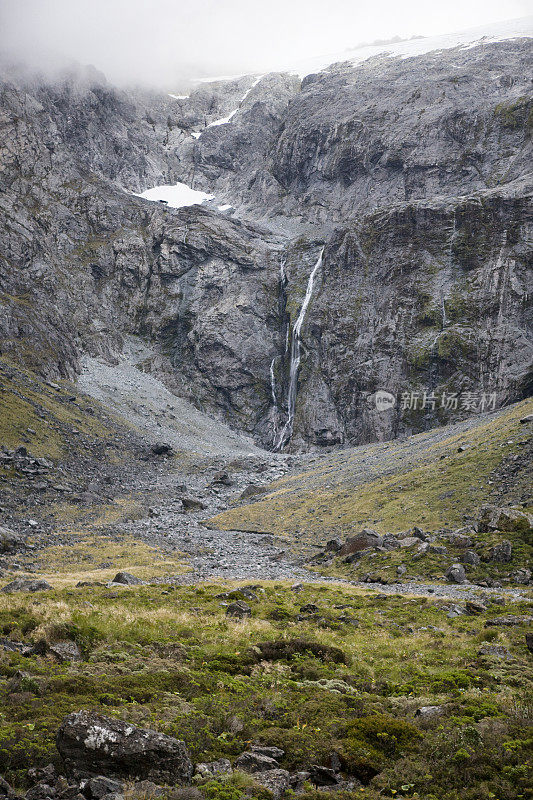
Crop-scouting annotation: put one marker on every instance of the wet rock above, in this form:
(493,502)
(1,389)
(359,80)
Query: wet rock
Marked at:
(494,518)
(127,579)
(27,585)
(65,651)
(239,609)
(210,769)
(501,553)
(456,574)
(91,745)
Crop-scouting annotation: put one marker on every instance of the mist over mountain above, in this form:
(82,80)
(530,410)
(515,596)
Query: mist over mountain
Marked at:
(165,43)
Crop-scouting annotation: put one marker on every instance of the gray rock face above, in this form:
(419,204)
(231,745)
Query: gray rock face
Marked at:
(414,174)
(91,745)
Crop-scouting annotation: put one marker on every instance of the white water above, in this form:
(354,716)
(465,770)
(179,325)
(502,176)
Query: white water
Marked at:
(286,433)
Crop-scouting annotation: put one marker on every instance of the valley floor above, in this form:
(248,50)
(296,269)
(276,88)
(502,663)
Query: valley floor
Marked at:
(232,627)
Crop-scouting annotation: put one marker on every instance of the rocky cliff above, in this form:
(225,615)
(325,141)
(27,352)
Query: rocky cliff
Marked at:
(411,173)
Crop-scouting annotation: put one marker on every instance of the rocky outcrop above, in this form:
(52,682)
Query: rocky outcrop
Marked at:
(92,745)
(411,173)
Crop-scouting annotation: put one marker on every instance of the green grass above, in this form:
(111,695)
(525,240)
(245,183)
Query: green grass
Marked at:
(168,658)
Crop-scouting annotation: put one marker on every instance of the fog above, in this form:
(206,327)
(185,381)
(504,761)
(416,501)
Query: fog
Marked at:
(165,43)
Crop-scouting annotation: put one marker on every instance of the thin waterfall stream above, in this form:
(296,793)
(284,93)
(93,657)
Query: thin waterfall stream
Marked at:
(286,431)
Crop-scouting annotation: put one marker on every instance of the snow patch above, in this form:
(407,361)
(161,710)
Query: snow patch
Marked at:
(225,120)
(177,195)
(179,96)
(225,207)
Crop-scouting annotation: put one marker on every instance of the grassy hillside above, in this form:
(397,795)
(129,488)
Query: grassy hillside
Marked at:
(435,479)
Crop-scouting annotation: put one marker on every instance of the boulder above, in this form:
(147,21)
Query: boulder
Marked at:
(99,787)
(502,552)
(27,585)
(277,781)
(471,557)
(210,769)
(334,545)
(522,576)
(65,651)
(271,752)
(255,762)
(526,419)
(367,538)
(221,479)
(239,609)
(10,541)
(192,504)
(409,541)
(91,745)
(460,538)
(475,607)
(529,642)
(493,518)
(127,579)
(456,574)
(323,776)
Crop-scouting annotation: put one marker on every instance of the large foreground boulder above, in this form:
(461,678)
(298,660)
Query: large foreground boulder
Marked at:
(91,745)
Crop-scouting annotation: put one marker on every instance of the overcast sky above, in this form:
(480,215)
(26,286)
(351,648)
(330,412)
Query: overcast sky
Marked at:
(157,41)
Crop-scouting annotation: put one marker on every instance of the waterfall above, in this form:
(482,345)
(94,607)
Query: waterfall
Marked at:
(286,432)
